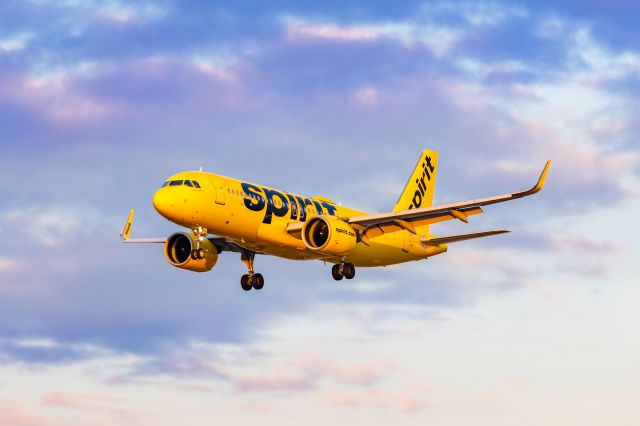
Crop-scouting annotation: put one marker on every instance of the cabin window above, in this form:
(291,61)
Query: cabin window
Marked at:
(175,183)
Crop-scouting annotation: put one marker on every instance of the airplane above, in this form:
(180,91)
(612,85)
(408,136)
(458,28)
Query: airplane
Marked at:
(225,214)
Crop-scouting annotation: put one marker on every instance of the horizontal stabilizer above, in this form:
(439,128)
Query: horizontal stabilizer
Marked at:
(456,238)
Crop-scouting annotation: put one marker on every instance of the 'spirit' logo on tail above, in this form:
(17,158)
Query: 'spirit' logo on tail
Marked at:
(427,170)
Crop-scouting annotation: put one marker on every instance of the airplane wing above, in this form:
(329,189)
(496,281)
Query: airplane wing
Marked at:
(126,233)
(455,238)
(373,225)
(222,244)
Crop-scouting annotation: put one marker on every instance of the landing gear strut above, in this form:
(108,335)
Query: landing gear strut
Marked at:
(200,233)
(250,280)
(343,270)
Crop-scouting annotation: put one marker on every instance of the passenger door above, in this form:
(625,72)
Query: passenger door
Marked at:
(220,189)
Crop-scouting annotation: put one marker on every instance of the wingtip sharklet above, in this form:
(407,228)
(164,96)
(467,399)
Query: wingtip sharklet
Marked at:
(126,231)
(543,177)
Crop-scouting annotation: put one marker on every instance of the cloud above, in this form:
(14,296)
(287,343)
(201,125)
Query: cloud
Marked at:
(112,10)
(438,39)
(14,413)
(366,96)
(267,383)
(53,226)
(407,401)
(128,96)
(45,351)
(15,42)
(9,265)
(94,403)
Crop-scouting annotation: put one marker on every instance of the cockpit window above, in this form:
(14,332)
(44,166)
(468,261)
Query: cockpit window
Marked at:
(196,184)
(188,183)
(165,184)
(175,183)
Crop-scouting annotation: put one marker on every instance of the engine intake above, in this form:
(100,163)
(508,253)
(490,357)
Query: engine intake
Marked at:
(329,235)
(178,248)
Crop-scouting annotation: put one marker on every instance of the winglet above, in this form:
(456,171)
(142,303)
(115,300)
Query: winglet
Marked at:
(542,179)
(126,231)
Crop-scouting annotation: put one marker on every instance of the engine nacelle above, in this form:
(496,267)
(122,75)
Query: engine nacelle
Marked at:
(177,251)
(329,235)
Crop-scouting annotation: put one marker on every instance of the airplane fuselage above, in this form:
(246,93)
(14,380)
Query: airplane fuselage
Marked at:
(256,218)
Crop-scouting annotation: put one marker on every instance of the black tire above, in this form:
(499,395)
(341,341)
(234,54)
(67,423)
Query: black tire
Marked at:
(258,281)
(200,253)
(349,271)
(245,283)
(194,254)
(335,273)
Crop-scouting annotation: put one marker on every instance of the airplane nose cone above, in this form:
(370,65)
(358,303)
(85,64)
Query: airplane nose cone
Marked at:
(161,202)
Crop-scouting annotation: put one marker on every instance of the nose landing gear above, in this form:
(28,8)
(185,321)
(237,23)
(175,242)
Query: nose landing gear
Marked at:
(343,270)
(251,279)
(200,233)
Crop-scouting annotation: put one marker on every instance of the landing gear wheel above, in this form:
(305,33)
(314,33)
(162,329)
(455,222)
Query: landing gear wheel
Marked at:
(200,253)
(194,254)
(349,271)
(336,273)
(245,282)
(257,280)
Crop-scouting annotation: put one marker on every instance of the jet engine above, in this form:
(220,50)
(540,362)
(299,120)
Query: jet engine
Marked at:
(329,235)
(178,251)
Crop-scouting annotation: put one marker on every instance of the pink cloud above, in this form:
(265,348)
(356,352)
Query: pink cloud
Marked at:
(297,30)
(13,413)
(115,406)
(56,99)
(407,400)
(273,384)
(355,374)
(257,408)
(341,398)
(366,96)
(579,243)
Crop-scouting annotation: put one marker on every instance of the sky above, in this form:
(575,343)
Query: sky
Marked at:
(100,102)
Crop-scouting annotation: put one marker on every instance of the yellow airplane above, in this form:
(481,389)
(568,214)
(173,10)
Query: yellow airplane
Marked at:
(253,219)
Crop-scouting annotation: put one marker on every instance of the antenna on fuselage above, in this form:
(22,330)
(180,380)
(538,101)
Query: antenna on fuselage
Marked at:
(201,168)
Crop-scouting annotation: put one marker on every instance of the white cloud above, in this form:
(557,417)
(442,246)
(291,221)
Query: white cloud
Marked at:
(112,10)
(15,42)
(478,13)
(127,12)
(54,225)
(438,39)
(600,62)
(217,66)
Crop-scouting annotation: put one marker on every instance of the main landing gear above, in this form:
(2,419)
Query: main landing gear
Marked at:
(343,270)
(200,233)
(250,280)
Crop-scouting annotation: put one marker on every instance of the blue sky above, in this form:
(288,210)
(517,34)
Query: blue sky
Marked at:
(101,101)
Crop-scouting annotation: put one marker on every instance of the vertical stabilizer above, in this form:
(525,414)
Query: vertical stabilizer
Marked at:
(418,192)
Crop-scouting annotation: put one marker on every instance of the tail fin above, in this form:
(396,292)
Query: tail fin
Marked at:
(418,192)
